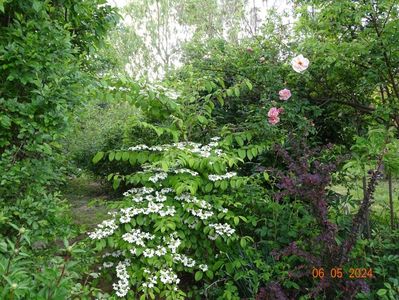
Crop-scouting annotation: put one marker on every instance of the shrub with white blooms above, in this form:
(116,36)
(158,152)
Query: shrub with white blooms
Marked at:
(172,221)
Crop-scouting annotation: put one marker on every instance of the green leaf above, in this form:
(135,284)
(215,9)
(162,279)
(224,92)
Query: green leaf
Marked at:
(118,155)
(202,119)
(381,292)
(249,84)
(116,183)
(198,275)
(249,154)
(37,5)
(243,242)
(239,140)
(266,176)
(125,156)
(237,91)
(98,157)
(111,156)
(241,153)
(209,273)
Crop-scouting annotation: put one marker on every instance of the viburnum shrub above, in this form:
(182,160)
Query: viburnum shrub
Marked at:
(173,222)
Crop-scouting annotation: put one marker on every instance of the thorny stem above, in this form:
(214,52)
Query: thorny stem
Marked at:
(359,220)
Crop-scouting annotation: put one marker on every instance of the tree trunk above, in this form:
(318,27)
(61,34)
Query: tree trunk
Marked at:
(391,201)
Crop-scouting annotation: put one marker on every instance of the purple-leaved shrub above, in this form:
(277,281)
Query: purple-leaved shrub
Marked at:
(306,179)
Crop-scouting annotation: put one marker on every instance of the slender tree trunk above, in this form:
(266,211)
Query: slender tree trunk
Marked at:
(367,223)
(391,200)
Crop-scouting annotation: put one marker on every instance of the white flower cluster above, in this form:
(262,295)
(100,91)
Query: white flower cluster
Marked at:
(160,251)
(214,177)
(145,147)
(215,138)
(108,264)
(136,236)
(152,280)
(193,199)
(158,176)
(222,229)
(191,172)
(139,195)
(170,211)
(200,213)
(113,254)
(203,267)
(202,150)
(122,286)
(168,277)
(185,260)
(190,225)
(140,191)
(173,242)
(105,229)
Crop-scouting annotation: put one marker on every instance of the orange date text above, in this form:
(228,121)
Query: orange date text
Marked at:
(338,273)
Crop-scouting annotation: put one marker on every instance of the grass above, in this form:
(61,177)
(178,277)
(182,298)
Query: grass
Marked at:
(380,207)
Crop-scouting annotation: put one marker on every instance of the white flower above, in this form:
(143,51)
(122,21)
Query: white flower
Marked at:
(173,243)
(136,236)
(300,63)
(204,268)
(192,173)
(222,229)
(215,139)
(148,253)
(168,277)
(159,176)
(108,264)
(214,177)
(122,286)
(105,229)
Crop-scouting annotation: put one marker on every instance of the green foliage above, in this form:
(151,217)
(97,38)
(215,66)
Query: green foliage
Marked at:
(43,48)
(184,215)
(351,47)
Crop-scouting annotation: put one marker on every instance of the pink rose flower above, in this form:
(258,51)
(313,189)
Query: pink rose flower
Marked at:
(284,94)
(274,120)
(273,112)
(273,115)
(300,63)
